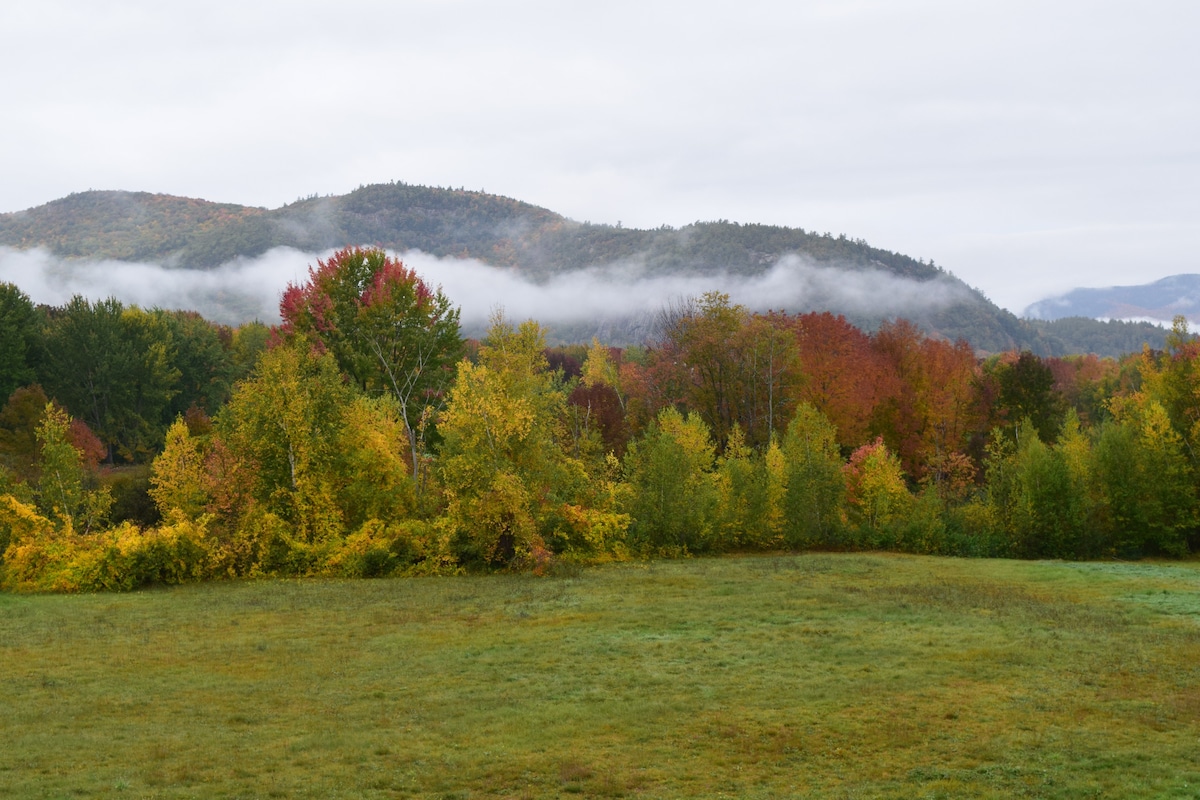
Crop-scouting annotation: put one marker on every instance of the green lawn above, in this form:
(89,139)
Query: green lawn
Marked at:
(812,675)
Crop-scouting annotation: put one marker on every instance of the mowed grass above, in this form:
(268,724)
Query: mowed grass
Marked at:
(810,675)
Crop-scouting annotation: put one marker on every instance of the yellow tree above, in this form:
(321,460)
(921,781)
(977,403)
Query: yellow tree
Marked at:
(1172,379)
(513,494)
(751,487)
(599,369)
(372,480)
(284,421)
(875,487)
(178,479)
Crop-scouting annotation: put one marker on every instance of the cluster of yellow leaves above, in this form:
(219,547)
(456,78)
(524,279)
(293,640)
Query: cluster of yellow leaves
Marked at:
(42,556)
(875,486)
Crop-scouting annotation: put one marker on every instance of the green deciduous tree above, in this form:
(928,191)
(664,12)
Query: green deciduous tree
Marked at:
(248,343)
(1045,498)
(673,490)
(1040,519)
(62,494)
(389,331)
(1026,391)
(203,356)
(1147,478)
(816,487)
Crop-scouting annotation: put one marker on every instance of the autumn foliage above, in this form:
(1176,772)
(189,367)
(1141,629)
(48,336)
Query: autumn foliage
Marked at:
(362,442)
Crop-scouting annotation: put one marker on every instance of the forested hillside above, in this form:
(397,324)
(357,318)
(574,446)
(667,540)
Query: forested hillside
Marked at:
(445,222)
(127,226)
(196,234)
(1070,335)
(364,436)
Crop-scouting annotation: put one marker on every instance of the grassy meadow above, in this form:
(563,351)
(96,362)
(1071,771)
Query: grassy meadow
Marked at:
(771,676)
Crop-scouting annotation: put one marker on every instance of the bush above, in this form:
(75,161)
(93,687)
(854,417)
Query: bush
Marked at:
(36,548)
(973,530)
(377,550)
(45,558)
(130,490)
(127,558)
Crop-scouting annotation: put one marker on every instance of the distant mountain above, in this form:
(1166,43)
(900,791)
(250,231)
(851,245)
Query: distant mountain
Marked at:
(187,233)
(1162,300)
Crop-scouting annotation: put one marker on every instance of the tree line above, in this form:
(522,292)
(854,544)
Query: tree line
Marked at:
(363,436)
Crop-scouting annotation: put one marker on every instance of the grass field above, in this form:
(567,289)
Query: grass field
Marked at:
(811,675)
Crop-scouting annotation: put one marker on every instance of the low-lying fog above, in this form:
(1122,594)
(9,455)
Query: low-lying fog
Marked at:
(248,289)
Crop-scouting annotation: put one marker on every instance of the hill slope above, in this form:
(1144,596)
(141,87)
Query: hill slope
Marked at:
(540,244)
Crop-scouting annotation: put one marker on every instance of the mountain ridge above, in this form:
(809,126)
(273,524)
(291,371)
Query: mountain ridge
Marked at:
(1163,299)
(190,233)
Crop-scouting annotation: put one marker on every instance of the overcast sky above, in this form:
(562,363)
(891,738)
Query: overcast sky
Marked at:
(1028,147)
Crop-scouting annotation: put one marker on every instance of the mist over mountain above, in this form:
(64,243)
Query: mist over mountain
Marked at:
(231,263)
(619,302)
